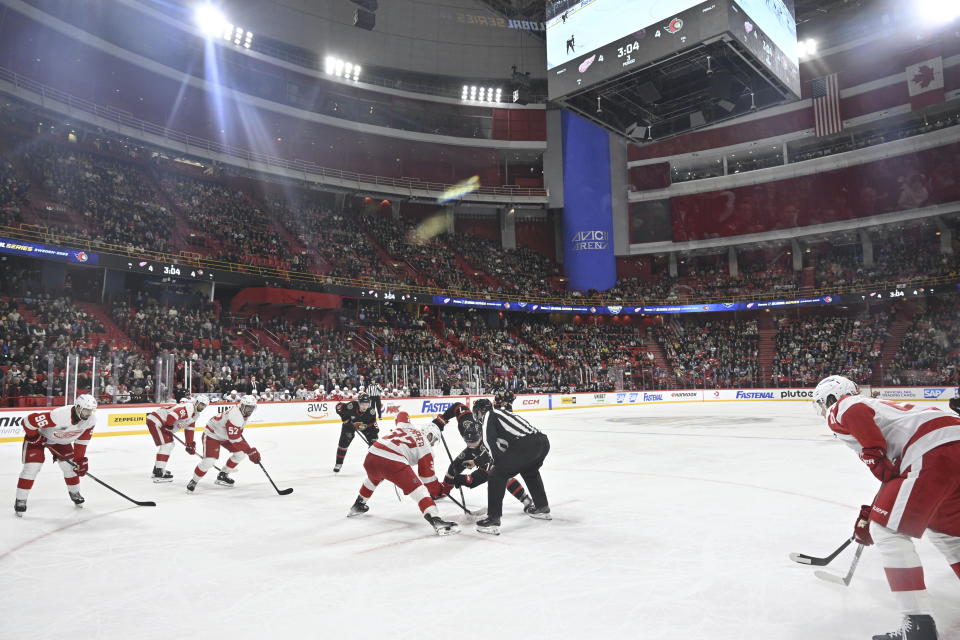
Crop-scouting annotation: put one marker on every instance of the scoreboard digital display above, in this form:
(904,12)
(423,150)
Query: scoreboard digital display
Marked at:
(591,41)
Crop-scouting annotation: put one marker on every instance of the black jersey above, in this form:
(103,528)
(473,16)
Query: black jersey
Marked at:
(350,413)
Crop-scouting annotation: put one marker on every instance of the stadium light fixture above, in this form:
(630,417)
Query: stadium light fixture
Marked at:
(472,93)
(807,48)
(334,66)
(210,19)
(937,11)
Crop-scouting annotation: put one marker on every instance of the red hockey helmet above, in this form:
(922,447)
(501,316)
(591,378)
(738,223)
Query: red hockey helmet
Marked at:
(404,417)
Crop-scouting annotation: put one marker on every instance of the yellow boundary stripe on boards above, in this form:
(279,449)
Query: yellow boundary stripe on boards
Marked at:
(109,434)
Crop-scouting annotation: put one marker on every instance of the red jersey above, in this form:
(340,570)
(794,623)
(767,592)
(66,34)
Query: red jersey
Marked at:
(57,427)
(410,446)
(904,431)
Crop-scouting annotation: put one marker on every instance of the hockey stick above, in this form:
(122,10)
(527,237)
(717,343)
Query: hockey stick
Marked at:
(139,503)
(463,502)
(819,562)
(175,437)
(845,580)
(478,512)
(282,492)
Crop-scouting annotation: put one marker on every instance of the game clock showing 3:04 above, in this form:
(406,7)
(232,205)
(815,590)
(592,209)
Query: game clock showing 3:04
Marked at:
(169,270)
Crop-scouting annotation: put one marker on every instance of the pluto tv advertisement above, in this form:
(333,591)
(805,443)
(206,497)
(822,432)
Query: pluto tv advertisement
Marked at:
(591,41)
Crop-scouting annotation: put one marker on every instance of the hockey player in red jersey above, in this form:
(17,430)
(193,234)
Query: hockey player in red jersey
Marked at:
(66,431)
(226,430)
(391,457)
(915,453)
(166,421)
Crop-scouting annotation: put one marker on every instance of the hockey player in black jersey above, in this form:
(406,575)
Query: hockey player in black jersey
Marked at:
(357,415)
(503,400)
(476,457)
(955,402)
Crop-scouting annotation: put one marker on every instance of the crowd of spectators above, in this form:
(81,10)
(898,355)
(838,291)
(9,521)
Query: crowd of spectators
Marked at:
(930,351)
(226,222)
(817,345)
(14,190)
(717,352)
(519,271)
(113,198)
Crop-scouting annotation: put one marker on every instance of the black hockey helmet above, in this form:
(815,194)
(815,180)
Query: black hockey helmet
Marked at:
(364,401)
(481,406)
(470,431)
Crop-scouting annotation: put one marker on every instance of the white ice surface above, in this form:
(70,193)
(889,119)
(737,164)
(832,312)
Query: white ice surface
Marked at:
(671,522)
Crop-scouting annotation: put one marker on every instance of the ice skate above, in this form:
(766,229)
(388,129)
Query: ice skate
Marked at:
(20,507)
(915,627)
(540,513)
(489,526)
(224,479)
(359,507)
(336,468)
(160,475)
(191,486)
(77,498)
(443,527)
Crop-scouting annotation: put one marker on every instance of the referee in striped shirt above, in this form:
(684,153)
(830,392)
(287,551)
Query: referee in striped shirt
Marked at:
(374,390)
(517,448)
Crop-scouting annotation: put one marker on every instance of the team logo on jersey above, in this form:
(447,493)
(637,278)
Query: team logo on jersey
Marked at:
(66,435)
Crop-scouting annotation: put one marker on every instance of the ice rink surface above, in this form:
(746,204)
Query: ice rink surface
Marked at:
(670,522)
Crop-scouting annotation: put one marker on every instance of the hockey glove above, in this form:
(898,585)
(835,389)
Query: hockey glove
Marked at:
(191,448)
(254,456)
(880,466)
(359,426)
(462,481)
(861,530)
(440,422)
(32,436)
(81,466)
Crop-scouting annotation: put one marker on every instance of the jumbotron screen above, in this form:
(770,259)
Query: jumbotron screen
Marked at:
(589,41)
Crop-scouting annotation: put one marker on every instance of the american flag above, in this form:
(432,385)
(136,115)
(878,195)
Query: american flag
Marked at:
(826,105)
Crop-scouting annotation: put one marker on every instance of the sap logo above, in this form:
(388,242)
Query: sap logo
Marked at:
(596,240)
(933,393)
(435,407)
(634,396)
(621,398)
(614,310)
(754,395)
(796,394)
(653,397)
(15,421)
(392,408)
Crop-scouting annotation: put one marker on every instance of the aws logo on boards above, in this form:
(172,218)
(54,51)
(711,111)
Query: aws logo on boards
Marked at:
(318,410)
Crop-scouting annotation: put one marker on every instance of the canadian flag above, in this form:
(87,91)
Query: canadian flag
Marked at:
(925,83)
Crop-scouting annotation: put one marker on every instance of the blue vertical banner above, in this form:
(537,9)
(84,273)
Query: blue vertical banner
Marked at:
(588,256)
